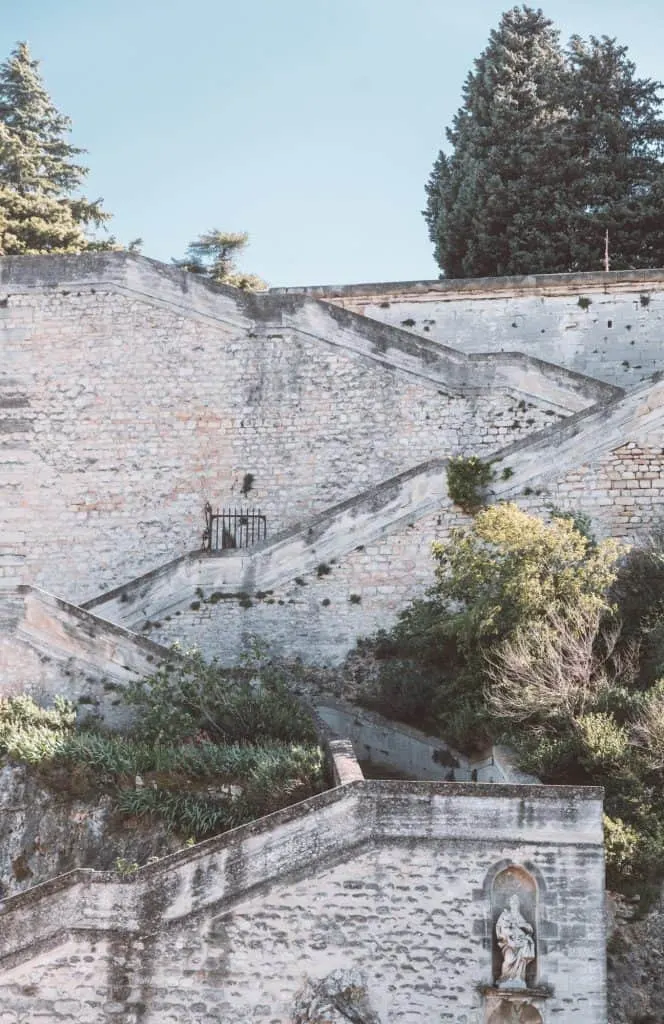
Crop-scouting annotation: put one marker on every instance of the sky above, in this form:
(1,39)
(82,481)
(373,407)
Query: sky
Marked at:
(311,124)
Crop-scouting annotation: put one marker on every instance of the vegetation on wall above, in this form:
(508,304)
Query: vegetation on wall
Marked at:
(538,636)
(214,255)
(209,749)
(467,480)
(551,148)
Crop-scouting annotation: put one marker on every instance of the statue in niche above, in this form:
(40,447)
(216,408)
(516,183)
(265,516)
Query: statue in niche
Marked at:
(516,942)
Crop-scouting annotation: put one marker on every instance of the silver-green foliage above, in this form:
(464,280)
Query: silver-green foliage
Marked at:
(210,749)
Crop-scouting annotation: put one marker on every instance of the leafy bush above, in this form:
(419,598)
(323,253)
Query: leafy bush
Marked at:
(189,695)
(538,636)
(31,733)
(497,580)
(213,749)
(467,480)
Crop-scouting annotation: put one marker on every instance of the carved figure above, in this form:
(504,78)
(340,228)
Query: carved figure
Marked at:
(517,944)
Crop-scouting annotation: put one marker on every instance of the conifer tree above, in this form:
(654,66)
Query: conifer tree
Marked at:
(41,210)
(550,149)
(615,142)
(213,255)
(500,138)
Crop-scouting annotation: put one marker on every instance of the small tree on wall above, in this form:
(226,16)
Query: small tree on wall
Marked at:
(214,254)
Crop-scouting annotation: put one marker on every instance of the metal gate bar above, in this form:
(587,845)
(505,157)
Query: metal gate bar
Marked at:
(233,528)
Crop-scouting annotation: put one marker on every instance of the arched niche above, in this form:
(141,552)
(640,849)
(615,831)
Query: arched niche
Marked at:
(514,880)
(515,1013)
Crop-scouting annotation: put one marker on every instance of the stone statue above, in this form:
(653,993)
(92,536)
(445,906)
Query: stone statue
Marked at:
(517,944)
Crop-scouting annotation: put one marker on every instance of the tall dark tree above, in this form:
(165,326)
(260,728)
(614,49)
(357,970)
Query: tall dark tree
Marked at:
(499,139)
(41,209)
(549,150)
(615,142)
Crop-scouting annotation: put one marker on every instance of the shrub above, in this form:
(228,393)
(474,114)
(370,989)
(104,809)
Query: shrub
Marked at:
(467,480)
(188,694)
(198,730)
(535,635)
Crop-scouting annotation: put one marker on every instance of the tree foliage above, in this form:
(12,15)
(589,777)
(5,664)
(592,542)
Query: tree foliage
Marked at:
(538,636)
(551,148)
(214,254)
(41,209)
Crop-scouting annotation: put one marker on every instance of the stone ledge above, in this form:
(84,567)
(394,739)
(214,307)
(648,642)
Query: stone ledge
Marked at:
(485,287)
(517,995)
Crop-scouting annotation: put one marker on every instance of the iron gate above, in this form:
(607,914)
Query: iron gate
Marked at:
(233,528)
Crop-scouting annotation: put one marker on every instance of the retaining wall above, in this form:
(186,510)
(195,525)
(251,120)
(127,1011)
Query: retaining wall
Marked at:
(392,881)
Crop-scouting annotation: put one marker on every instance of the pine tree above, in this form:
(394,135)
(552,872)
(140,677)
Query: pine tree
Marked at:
(213,255)
(501,139)
(40,208)
(616,142)
(549,150)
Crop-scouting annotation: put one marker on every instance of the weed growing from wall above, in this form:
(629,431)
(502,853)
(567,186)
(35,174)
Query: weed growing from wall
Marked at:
(467,481)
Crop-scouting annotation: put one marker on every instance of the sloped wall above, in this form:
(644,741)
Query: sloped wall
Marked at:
(131,393)
(609,326)
(391,880)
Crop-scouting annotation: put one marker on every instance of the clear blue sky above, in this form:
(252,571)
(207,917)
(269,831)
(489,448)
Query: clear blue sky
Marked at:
(311,124)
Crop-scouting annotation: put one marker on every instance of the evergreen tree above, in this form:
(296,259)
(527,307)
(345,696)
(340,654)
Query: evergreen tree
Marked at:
(213,255)
(549,150)
(501,138)
(616,142)
(40,208)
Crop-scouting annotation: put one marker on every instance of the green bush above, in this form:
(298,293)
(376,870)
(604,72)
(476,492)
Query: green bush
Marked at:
(467,480)
(188,696)
(538,636)
(199,731)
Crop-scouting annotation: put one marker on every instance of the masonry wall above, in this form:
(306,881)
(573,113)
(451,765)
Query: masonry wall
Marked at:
(391,881)
(124,411)
(609,326)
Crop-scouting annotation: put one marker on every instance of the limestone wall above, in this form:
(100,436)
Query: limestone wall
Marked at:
(609,326)
(131,393)
(313,593)
(50,648)
(395,884)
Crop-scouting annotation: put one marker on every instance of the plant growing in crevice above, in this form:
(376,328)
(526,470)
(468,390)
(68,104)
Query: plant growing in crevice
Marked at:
(467,481)
(247,483)
(584,302)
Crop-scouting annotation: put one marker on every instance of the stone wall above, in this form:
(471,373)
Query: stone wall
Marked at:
(312,594)
(50,648)
(385,744)
(608,326)
(132,393)
(393,884)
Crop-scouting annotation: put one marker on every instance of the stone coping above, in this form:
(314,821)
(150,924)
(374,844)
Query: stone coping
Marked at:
(484,286)
(373,788)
